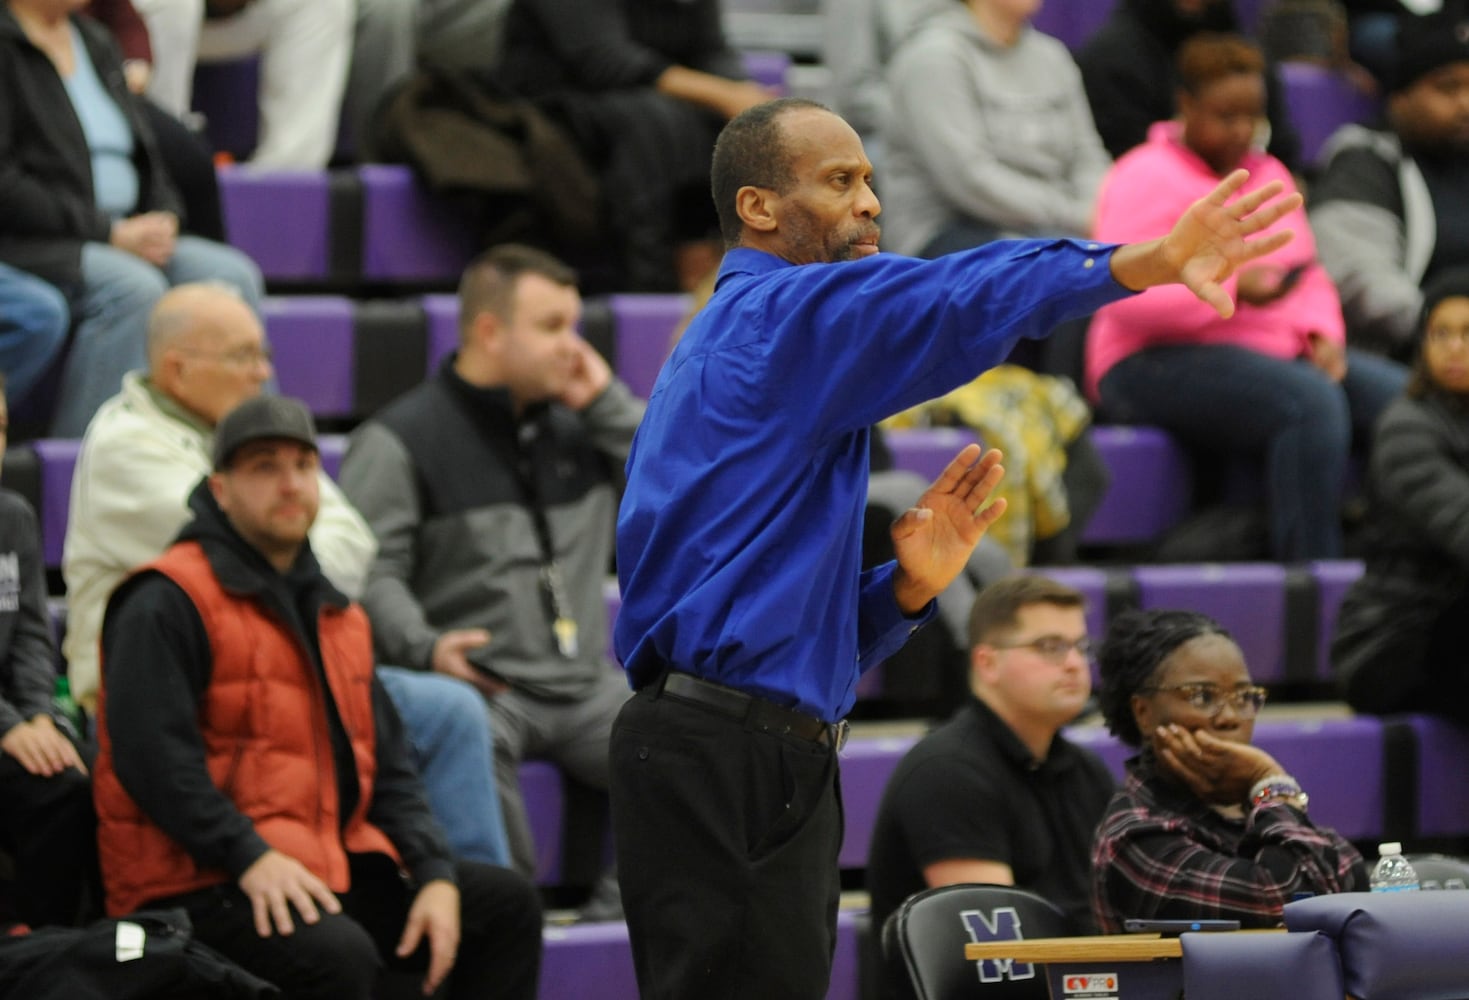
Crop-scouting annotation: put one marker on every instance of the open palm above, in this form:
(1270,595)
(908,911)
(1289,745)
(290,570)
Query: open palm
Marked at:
(934,538)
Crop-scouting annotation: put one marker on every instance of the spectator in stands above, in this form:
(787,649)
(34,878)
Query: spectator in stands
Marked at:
(141,456)
(492,490)
(997,794)
(644,87)
(1389,207)
(33,324)
(304,48)
(1206,825)
(1401,630)
(244,739)
(47,825)
(84,200)
(1274,380)
(1130,70)
(858,40)
(989,133)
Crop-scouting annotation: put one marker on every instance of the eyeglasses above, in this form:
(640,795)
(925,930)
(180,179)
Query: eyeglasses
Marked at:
(1210,699)
(1445,336)
(240,357)
(1052,647)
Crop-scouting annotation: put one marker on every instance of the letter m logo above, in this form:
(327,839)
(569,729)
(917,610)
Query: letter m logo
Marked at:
(1000,924)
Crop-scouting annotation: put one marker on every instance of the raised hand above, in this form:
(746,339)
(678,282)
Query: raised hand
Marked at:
(933,539)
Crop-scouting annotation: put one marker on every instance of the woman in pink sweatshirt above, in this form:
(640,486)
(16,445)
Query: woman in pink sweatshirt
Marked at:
(1275,380)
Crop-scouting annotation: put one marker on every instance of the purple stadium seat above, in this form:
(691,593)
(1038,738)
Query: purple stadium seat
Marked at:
(282,219)
(1072,21)
(407,234)
(1248,599)
(1151,488)
(58,459)
(443,328)
(545,805)
(1333,578)
(866,766)
(768,69)
(313,341)
(927,450)
(1340,762)
(1443,795)
(333,447)
(845,981)
(587,960)
(1320,101)
(644,326)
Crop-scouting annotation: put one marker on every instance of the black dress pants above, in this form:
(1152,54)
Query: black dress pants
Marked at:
(727,843)
(342,956)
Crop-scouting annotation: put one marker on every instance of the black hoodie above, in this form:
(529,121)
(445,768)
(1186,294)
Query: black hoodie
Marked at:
(156,667)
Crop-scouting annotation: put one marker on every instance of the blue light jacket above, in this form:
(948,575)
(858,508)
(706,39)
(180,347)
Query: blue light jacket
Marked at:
(739,536)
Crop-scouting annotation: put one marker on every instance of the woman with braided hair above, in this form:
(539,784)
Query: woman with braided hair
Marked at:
(1206,825)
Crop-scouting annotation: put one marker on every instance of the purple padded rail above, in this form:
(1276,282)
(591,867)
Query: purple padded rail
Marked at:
(644,326)
(1333,579)
(866,766)
(407,234)
(313,342)
(57,458)
(1248,599)
(282,219)
(1152,485)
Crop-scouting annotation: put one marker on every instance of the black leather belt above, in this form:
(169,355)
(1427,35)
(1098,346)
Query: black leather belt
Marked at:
(756,713)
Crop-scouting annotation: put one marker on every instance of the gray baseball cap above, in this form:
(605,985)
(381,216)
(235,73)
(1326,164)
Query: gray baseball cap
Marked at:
(259,419)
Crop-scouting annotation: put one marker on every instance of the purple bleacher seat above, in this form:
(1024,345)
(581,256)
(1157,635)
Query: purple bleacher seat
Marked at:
(1321,100)
(866,764)
(333,447)
(1339,762)
(1151,489)
(644,326)
(1248,599)
(407,234)
(768,69)
(58,459)
(313,342)
(927,450)
(443,328)
(1333,578)
(282,219)
(588,960)
(1114,752)
(1443,795)
(545,806)
(1072,21)
(845,961)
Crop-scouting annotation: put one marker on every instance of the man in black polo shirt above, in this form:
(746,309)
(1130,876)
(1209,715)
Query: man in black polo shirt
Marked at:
(996,794)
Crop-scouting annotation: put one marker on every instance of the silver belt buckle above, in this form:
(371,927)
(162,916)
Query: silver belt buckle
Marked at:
(839,733)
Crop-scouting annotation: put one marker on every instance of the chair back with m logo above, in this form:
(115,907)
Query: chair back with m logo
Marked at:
(924,940)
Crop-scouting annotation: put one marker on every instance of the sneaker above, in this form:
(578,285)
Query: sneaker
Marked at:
(605,902)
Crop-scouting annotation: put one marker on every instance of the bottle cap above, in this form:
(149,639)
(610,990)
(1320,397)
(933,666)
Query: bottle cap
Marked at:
(1391,847)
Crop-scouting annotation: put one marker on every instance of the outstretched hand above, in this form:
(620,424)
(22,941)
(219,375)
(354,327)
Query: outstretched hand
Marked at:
(1208,242)
(933,539)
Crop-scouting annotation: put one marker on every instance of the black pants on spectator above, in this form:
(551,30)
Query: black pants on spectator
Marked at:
(48,827)
(189,161)
(341,956)
(727,843)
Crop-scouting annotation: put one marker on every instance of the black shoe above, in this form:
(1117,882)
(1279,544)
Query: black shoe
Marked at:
(605,902)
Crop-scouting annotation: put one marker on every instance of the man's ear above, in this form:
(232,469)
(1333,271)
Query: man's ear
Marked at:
(216,487)
(757,208)
(484,330)
(983,664)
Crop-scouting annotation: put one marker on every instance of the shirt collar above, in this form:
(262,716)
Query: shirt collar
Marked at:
(1013,749)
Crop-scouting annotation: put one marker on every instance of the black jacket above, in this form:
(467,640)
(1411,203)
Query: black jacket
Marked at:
(157,659)
(47,206)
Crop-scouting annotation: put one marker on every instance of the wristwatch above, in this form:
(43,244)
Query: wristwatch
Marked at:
(1279,788)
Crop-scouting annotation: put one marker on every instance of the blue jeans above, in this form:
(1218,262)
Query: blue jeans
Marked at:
(118,293)
(1228,399)
(33,324)
(449,729)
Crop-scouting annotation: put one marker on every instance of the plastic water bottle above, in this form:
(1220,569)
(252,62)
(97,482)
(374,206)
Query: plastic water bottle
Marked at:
(68,709)
(1393,873)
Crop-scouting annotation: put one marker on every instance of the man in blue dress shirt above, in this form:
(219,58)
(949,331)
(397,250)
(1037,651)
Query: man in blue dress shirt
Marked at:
(746,619)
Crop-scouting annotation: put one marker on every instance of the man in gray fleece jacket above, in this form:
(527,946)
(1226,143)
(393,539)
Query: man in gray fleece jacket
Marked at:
(492,489)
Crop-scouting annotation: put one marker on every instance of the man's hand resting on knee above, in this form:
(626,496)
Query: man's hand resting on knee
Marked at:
(275,882)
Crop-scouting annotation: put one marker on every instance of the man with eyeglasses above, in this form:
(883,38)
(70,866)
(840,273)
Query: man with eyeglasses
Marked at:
(1206,825)
(144,452)
(997,794)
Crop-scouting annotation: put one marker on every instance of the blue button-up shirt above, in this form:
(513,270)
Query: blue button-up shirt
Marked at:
(739,536)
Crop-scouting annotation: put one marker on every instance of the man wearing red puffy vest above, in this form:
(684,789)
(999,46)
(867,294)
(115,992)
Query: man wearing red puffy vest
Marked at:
(252,770)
